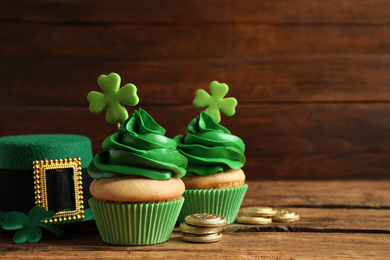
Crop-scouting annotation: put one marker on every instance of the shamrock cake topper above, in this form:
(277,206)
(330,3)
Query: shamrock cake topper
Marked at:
(114,98)
(216,101)
(30,225)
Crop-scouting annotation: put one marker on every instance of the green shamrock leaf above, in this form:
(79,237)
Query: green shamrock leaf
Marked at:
(30,226)
(114,98)
(216,101)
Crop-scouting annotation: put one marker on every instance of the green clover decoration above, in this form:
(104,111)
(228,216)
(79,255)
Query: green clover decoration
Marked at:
(215,102)
(114,98)
(30,225)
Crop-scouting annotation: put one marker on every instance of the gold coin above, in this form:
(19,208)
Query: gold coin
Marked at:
(285,215)
(259,212)
(201,238)
(253,220)
(205,220)
(185,228)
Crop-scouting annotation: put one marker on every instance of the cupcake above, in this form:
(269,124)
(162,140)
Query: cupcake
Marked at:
(137,190)
(215,182)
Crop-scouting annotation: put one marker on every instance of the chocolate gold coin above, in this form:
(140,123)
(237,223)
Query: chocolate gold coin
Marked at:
(201,238)
(285,215)
(205,220)
(253,220)
(185,228)
(259,212)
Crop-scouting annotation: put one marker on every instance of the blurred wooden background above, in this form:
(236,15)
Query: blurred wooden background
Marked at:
(312,77)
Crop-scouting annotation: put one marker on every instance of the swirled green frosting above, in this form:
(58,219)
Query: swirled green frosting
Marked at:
(210,147)
(139,148)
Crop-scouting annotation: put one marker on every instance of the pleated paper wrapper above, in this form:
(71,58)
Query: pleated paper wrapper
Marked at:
(135,223)
(223,202)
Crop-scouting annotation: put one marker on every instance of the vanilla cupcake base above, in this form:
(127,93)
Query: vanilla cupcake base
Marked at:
(221,180)
(136,189)
(135,223)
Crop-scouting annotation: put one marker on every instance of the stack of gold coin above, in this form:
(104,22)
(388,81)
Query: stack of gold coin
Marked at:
(256,215)
(202,228)
(285,215)
(265,215)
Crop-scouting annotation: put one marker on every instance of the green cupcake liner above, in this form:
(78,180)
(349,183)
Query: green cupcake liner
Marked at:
(223,202)
(135,223)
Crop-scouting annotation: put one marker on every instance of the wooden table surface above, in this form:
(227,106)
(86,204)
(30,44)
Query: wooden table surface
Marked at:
(339,219)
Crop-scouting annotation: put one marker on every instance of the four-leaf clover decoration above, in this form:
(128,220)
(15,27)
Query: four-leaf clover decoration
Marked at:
(114,98)
(216,101)
(30,226)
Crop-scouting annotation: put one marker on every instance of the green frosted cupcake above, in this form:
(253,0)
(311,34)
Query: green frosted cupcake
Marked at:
(214,180)
(137,191)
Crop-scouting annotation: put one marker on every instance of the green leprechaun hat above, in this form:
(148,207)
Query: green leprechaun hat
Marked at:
(44,183)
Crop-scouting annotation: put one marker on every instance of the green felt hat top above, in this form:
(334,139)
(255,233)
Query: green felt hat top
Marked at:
(20,151)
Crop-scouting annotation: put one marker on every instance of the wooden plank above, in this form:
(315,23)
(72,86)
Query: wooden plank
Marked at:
(346,233)
(202,11)
(293,141)
(297,78)
(247,244)
(358,194)
(165,42)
